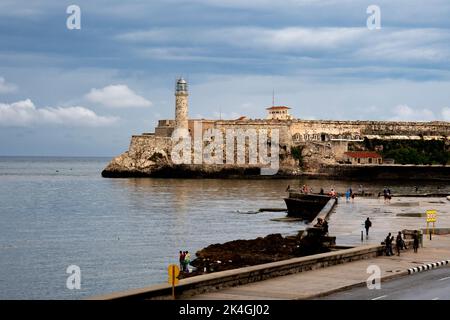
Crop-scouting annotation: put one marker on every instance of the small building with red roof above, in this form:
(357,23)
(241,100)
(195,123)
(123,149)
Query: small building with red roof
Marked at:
(279,113)
(363,157)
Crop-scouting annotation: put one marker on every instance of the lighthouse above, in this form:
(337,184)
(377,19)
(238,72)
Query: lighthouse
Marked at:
(181,104)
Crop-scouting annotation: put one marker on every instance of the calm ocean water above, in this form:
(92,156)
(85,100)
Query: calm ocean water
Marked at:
(123,233)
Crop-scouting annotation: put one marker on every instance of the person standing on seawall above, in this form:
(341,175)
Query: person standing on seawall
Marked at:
(399,242)
(388,245)
(415,241)
(187,260)
(367,225)
(182,260)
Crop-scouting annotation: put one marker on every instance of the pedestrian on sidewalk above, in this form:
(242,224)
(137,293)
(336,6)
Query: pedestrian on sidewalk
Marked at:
(367,225)
(415,241)
(347,195)
(388,245)
(399,242)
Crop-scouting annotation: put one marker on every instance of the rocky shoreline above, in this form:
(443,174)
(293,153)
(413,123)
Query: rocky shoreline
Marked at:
(125,166)
(274,247)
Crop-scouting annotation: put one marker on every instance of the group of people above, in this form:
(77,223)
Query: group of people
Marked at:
(400,243)
(349,194)
(304,189)
(185,259)
(387,194)
(332,193)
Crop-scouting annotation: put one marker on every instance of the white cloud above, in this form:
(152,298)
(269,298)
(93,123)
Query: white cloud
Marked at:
(117,96)
(275,39)
(293,39)
(6,87)
(353,44)
(405,113)
(25,113)
(400,45)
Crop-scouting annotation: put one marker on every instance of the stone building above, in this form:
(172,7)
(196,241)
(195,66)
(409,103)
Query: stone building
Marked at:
(278,113)
(322,142)
(363,157)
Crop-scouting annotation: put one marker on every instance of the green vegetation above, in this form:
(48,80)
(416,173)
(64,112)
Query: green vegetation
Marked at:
(412,151)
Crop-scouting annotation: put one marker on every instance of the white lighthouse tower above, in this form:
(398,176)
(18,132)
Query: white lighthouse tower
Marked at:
(181,104)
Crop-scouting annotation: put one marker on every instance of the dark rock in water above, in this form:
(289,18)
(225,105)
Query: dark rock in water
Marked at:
(274,247)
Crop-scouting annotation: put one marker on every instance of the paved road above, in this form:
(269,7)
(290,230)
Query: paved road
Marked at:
(427,285)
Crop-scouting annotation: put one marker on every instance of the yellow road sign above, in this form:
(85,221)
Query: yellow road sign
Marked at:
(174,272)
(431,215)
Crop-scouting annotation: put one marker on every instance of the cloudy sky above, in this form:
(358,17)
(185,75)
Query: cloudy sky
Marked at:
(85,92)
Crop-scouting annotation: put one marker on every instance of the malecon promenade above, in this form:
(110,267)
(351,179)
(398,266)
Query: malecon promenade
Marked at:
(323,274)
(324,281)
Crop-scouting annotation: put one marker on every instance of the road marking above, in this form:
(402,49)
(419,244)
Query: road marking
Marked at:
(437,298)
(380,297)
(444,278)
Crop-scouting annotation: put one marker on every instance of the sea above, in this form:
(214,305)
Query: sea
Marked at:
(58,212)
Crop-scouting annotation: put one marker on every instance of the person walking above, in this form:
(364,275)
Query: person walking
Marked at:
(415,241)
(367,225)
(388,244)
(385,195)
(399,242)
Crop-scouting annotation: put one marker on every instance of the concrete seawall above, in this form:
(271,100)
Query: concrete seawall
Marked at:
(326,211)
(219,280)
(383,172)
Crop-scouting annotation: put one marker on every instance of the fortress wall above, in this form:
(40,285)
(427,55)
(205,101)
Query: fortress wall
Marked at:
(372,127)
(327,127)
(313,130)
(144,146)
(385,172)
(407,128)
(292,131)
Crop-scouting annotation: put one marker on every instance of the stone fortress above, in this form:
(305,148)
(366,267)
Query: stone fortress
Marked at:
(305,146)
